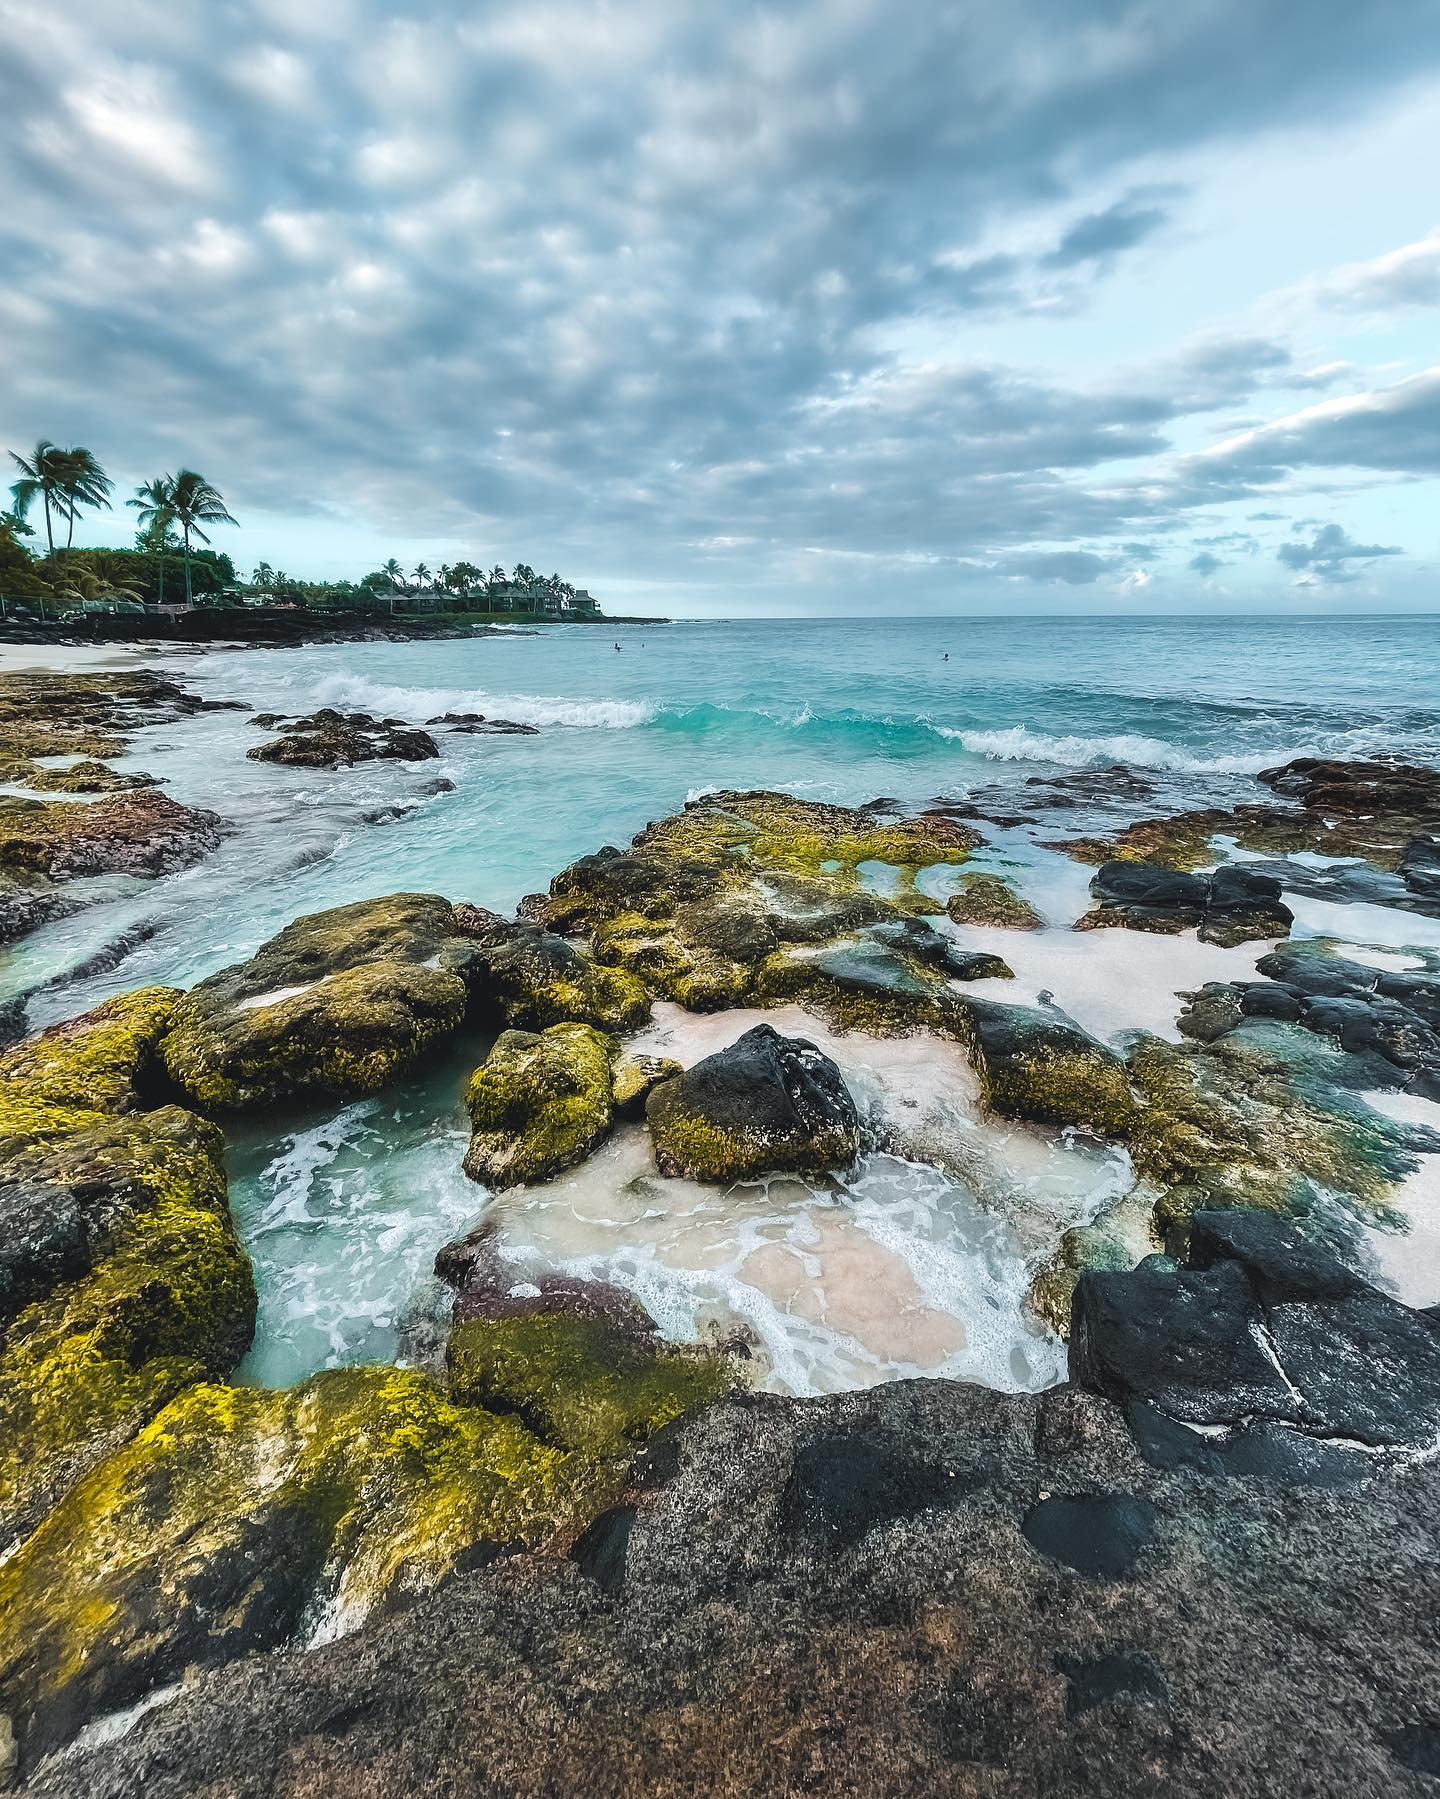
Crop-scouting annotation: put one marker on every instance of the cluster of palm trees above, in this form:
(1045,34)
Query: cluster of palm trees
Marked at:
(69,481)
(471,581)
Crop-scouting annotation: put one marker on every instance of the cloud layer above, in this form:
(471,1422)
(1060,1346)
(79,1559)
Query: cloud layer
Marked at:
(639,289)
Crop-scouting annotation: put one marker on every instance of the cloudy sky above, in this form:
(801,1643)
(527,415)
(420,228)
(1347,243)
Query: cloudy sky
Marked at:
(716,307)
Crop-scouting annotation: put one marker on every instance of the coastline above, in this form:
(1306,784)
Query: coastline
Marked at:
(639,1311)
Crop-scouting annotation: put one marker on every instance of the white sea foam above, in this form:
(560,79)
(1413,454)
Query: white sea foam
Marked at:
(421,703)
(1018,743)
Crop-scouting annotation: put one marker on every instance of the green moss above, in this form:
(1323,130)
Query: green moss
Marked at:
(1223,1124)
(86,777)
(580,1382)
(539,1104)
(152,1290)
(88,1064)
(634,1077)
(237,1510)
(1042,1068)
(989,899)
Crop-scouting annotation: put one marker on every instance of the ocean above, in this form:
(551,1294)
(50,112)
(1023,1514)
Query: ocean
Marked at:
(917,1262)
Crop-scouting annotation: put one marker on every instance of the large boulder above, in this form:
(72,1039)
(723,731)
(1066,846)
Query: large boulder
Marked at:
(534,978)
(1268,1349)
(539,1103)
(336,1005)
(765,1104)
(121,1279)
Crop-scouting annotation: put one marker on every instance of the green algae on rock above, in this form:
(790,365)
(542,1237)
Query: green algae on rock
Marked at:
(533,978)
(86,777)
(982,898)
(539,1103)
(1041,1067)
(335,1005)
(581,1381)
(122,1280)
(765,1104)
(240,1517)
(707,906)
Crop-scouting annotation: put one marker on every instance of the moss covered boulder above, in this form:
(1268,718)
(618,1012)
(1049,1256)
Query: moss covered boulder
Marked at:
(336,1005)
(1042,1067)
(766,1104)
(708,907)
(539,1103)
(121,1279)
(240,1518)
(534,978)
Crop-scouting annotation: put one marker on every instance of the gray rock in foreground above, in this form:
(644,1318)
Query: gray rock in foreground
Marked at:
(927,1588)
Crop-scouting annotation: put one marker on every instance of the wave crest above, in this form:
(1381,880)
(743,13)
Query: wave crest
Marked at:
(1018,743)
(420,703)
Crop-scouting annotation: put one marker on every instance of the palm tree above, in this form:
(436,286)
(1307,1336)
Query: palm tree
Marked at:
(394,574)
(43,474)
(154,500)
(193,503)
(421,573)
(82,483)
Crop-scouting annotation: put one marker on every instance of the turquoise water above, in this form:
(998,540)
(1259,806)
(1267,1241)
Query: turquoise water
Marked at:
(343,1213)
(833,710)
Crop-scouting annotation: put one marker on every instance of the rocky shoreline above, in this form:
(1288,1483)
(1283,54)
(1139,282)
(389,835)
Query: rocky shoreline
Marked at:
(566,1554)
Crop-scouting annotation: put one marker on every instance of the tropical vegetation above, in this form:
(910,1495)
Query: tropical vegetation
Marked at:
(172,552)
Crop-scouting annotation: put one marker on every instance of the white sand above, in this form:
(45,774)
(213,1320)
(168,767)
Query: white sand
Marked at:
(75,658)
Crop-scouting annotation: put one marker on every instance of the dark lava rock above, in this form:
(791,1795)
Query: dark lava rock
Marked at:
(1389,1019)
(765,1104)
(495,727)
(331,739)
(914,938)
(1231,906)
(1102,1535)
(1385,788)
(1272,1641)
(489,1286)
(1264,1330)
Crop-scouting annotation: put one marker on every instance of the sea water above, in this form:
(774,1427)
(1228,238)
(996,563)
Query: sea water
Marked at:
(918,1261)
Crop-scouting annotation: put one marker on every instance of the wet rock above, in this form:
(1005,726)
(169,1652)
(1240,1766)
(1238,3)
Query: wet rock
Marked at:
(914,939)
(533,978)
(331,739)
(490,1287)
(1041,1066)
(765,1104)
(634,1076)
(1263,1330)
(989,899)
(1231,906)
(1103,1535)
(842,1487)
(142,833)
(1389,1021)
(539,1104)
(495,727)
(1385,788)
(121,1281)
(337,1004)
(87,777)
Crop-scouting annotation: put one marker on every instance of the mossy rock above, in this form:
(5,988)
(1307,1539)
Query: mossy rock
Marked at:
(633,1078)
(580,1381)
(989,899)
(539,1104)
(87,777)
(1223,1124)
(1041,1067)
(335,1005)
(765,1104)
(533,978)
(121,1275)
(239,1513)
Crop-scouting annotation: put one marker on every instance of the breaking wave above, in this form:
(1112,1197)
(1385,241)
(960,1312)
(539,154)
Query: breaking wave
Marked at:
(421,703)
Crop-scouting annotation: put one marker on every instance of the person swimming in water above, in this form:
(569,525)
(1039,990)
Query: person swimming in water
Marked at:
(617,649)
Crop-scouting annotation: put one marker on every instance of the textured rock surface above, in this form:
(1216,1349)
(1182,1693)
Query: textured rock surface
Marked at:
(925,1588)
(1231,906)
(337,1004)
(539,1104)
(331,739)
(1041,1066)
(764,1104)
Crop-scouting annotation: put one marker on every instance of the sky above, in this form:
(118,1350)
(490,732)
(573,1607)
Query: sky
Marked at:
(715,308)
